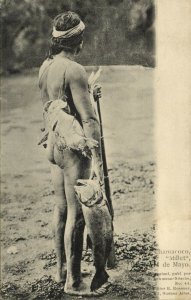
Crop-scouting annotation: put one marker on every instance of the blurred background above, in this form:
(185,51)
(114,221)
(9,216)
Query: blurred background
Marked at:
(117,31)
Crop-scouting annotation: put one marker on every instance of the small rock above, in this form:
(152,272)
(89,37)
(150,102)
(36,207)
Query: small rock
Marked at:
(12,250)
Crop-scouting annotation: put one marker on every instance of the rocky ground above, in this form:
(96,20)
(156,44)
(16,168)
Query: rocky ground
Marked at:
(29,257)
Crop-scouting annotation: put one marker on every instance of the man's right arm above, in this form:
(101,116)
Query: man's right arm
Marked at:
(78,82)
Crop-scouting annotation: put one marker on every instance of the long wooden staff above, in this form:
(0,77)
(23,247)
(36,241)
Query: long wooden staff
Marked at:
(111,259)
(92,80)
(105,169)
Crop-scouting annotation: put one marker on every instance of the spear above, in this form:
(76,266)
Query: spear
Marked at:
(92,79)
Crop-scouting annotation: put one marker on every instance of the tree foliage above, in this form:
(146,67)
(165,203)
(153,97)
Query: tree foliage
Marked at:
(117,31)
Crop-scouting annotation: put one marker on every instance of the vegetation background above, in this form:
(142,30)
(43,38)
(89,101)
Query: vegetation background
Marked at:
(117,31)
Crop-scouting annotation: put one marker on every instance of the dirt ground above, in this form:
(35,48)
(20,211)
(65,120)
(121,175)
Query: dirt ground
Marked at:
(27,196)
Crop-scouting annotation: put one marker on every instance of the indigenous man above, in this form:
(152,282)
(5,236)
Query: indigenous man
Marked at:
(61,78)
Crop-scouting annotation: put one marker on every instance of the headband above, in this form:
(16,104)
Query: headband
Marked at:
(75,31)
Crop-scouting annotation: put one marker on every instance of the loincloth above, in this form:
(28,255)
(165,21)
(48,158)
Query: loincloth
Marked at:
(63,130)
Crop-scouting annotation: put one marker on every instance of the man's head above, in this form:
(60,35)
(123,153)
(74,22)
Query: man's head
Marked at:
(67,33)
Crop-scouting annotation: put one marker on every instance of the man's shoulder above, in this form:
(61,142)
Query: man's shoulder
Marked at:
(74,66)
(76,71)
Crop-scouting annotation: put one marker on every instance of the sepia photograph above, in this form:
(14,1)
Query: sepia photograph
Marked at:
(80,147)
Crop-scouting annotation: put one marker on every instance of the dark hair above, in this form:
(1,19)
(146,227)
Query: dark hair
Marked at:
(62,22)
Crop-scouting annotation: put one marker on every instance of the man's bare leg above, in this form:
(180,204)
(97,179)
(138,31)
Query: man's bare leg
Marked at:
(76,168)
(59,221)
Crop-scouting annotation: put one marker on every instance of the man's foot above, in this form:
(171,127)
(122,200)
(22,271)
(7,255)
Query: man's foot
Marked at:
(61,275)
(83,290)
